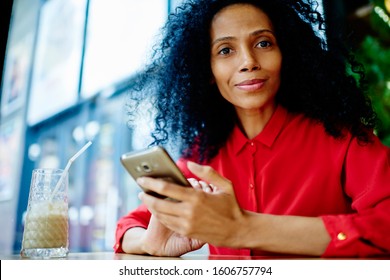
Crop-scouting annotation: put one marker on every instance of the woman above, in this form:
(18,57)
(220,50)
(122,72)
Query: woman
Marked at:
(281,133)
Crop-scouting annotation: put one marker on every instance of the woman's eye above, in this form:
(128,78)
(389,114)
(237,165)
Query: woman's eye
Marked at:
(264,44)
(225,51)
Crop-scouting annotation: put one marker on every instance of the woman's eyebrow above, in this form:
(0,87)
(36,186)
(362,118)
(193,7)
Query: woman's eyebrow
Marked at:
(261,31)
(223,39)
(232,38)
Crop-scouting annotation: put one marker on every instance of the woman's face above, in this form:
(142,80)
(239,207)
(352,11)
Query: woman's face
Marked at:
(245,57)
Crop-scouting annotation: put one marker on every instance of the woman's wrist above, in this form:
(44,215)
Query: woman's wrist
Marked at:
(132,241)
(240,233)
(248,233)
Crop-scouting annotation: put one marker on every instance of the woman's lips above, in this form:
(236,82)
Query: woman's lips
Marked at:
(251,85)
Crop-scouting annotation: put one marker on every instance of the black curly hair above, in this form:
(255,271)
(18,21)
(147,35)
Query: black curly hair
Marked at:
(323,83)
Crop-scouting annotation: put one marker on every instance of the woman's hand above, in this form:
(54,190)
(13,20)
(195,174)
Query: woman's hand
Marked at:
(158,240)
(208,211)
(215,217)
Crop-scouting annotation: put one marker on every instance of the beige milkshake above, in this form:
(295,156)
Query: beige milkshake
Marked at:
(46,226)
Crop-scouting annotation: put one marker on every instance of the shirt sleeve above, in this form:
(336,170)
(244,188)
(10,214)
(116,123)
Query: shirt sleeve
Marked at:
(366,180)
(139,217)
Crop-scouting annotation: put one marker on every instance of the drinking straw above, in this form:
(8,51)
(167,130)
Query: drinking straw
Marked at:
(70,161)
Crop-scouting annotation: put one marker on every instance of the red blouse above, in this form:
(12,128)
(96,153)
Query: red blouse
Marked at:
(293,167)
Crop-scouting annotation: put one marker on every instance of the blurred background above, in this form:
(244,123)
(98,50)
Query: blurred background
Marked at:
(66,65)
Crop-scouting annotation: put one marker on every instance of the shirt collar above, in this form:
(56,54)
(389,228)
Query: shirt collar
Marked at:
(266,137)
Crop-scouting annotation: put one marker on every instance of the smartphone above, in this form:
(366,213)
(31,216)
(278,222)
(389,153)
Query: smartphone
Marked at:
(153,162)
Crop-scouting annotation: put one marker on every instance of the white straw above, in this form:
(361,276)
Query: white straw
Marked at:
(71,160)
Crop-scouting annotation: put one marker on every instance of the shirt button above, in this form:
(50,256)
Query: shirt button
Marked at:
(251,186)
(117,246)
(341,236)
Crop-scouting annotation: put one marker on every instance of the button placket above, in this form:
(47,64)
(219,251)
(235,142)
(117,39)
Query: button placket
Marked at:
(251,184)
(252,171)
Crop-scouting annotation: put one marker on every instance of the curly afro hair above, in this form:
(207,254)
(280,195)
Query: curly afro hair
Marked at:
(323,83)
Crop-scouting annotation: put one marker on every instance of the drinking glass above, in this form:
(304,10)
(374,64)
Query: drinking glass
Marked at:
(46,230)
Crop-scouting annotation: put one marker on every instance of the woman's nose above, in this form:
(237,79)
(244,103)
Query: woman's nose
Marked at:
(249,62)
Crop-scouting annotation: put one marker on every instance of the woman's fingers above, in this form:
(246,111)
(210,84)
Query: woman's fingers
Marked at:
(164,188)
(200,185)
(194,183)
(212,177)
(158,206)
(206,187)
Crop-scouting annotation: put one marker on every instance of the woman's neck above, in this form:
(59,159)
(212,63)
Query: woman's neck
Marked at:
(252,122)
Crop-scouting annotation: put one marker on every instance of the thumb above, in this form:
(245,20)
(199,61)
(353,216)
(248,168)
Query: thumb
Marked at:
(211,176)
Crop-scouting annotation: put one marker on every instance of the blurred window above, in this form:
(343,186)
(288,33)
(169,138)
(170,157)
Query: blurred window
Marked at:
(56,71)
(119,35)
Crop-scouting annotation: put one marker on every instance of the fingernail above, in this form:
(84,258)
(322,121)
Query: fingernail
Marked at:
(140,181)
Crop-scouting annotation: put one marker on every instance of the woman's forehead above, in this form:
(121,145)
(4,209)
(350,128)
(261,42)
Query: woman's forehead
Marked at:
(233,18)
